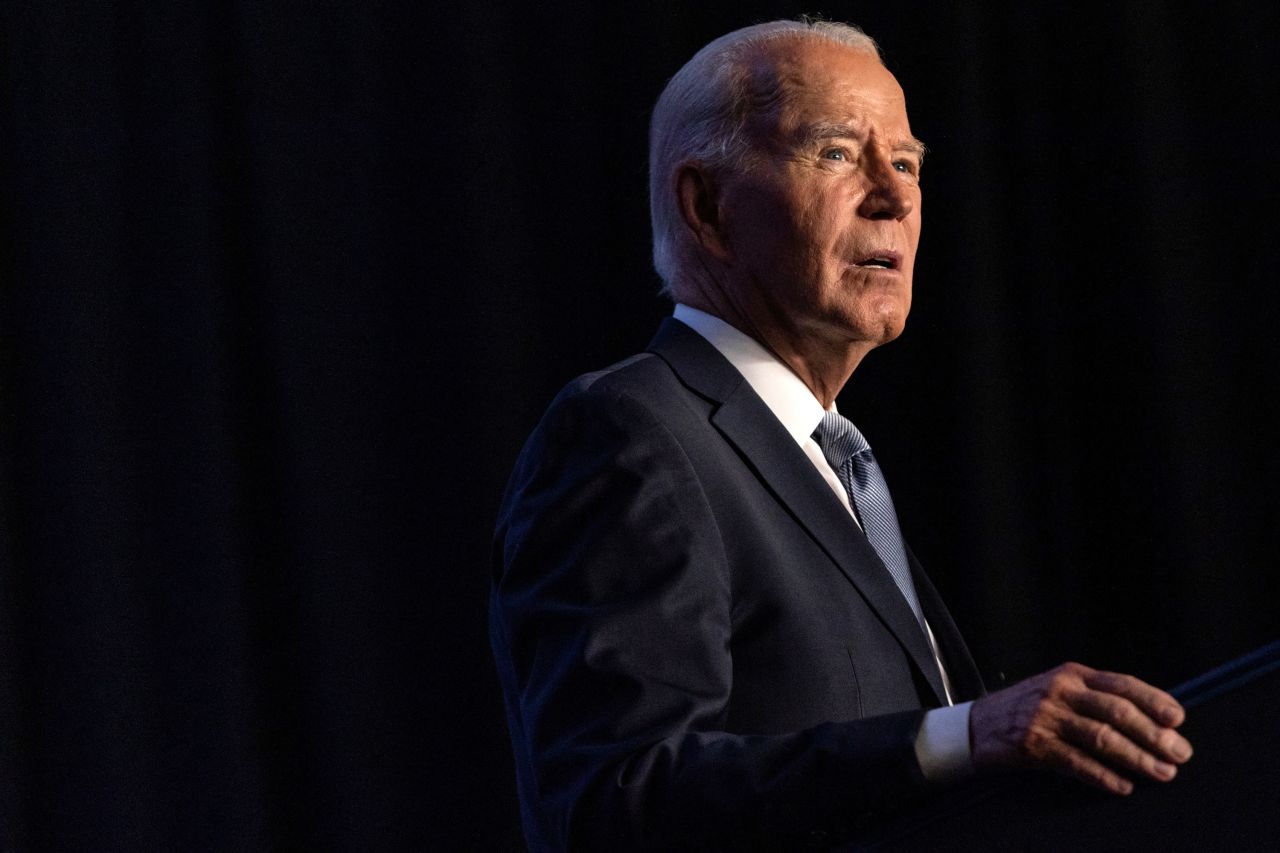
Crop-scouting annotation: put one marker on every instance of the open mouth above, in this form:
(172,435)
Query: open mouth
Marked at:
(884,261)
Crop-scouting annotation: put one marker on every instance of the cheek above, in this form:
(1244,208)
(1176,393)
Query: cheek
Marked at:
(827,226)
(838,207)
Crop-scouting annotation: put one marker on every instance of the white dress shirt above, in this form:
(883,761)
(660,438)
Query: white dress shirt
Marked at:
(942,746)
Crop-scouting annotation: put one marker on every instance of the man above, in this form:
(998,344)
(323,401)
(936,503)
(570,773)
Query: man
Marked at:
(709,632)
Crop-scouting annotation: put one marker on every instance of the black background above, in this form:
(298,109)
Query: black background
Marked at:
(286,286)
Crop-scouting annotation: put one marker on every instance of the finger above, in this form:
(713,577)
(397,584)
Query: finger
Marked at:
(1153,701)
(1126,717)
(1069,761)
(1100,740)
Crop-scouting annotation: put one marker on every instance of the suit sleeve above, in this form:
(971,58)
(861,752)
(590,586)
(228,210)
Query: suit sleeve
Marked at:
(612,623)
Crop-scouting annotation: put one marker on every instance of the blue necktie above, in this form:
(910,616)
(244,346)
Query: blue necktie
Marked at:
(850,456)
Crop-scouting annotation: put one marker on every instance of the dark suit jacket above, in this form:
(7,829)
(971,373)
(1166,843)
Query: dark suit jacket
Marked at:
(697,646)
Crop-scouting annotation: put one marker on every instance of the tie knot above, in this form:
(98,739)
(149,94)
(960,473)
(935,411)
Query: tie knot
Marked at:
(839,439)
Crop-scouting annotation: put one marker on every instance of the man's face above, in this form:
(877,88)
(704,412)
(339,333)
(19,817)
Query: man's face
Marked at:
(821,230)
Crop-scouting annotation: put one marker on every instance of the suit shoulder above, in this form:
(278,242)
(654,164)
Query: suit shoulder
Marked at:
(636,404)
(639,377)
(625,424)
(637,392)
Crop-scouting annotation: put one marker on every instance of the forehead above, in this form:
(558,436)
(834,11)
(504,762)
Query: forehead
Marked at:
(803,81)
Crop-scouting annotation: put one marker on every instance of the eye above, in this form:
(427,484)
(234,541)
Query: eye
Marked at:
(905,166)
(837,154)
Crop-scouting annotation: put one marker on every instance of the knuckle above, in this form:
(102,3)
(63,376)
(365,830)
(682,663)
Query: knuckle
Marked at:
(1059,681)
(1103,738)
(1123,713)
(1033,744)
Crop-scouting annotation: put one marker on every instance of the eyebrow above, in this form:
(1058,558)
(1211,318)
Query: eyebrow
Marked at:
(821,130)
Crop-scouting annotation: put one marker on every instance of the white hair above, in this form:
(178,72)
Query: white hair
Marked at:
(700,117)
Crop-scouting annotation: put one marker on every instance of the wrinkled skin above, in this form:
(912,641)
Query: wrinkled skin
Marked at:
(834,183)
(1099,727)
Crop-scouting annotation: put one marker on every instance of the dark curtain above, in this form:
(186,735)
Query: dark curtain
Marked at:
(286,286)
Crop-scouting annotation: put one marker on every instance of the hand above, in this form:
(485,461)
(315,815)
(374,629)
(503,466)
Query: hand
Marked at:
(1082,723)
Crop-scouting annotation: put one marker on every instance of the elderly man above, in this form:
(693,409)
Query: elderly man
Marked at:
(708,628)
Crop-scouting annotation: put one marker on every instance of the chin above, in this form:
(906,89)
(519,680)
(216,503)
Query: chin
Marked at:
(874,333)
(888,323)
(888,332)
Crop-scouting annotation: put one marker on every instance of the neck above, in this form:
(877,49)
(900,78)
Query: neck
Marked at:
(824,370)
(824,366)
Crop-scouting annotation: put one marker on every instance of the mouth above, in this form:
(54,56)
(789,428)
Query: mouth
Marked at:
(880,260)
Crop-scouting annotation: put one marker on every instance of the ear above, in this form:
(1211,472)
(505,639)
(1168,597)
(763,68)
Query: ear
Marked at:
(698,196)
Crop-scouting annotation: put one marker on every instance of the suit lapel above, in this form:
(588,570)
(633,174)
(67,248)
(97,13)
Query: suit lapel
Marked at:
(746,422)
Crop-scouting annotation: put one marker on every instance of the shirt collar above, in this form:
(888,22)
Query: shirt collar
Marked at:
(782,391)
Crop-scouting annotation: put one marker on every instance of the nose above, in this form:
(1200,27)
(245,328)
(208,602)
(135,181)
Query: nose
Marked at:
(890,193)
